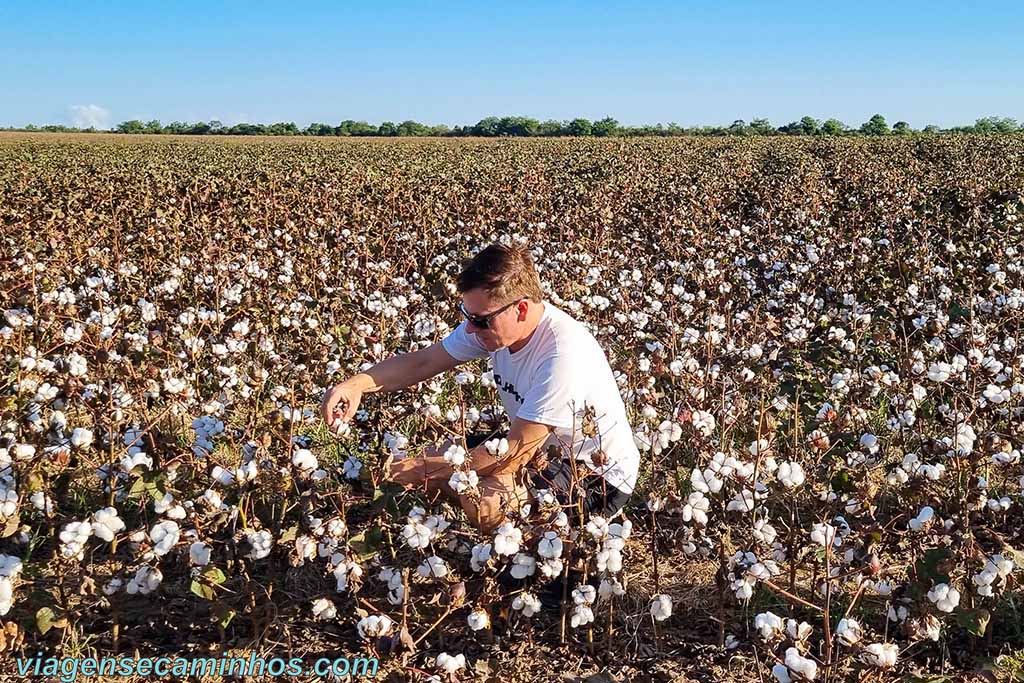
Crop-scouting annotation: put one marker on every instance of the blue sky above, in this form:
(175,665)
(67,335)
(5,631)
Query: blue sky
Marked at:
(444,62)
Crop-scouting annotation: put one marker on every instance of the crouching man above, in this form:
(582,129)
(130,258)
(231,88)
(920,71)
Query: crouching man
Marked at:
(553,380)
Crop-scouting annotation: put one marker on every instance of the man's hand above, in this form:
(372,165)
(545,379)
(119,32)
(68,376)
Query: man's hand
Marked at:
(341,402)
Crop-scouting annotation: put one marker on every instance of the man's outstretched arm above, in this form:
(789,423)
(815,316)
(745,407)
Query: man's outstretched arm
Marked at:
(391,374)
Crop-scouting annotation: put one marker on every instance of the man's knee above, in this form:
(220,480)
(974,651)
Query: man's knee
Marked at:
(485,513)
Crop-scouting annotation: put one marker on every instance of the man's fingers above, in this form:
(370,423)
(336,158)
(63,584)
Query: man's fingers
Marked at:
(350,410)
(327,406)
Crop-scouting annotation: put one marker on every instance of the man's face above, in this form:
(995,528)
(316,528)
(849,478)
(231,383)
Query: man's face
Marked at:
(504,328)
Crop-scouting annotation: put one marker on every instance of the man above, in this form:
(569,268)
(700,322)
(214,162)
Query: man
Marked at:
(554,382)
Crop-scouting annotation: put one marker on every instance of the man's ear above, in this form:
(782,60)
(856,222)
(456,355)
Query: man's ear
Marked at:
(522,309)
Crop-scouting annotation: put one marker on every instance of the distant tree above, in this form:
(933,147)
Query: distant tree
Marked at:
(550,128)
(350,127)
(133,126)
(517,126)
(319,129)
(387,129)
(411,129)
(605,127)
(580,127)
(489,127)
(153,127)
(281,128)
(931,128)
(810,126)
(876,125)
(199,128)
(216,127)
(901,128)
(761,127)
(791,128)
(1006,125)
(995,124)
(738,127)
(834,127)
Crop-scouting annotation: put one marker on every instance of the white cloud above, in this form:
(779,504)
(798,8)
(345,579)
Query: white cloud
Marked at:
(89,116)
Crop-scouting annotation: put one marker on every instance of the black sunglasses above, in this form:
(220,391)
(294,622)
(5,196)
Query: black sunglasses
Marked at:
(483,322)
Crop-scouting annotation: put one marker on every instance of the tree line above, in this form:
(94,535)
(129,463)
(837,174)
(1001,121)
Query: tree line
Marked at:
(522,126)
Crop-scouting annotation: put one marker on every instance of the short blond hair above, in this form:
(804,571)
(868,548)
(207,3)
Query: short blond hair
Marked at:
(505,273)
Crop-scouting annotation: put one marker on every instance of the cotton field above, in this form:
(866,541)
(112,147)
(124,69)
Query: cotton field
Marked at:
(819,344)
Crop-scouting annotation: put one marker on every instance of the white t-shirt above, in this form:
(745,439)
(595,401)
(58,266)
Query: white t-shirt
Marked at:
(561,370)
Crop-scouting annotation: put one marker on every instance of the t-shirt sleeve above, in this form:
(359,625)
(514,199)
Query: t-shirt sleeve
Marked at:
(463,346)
(552,399)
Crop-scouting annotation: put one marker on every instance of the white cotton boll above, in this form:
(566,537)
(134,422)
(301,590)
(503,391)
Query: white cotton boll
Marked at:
(199,554)
(661,607)
(146,580)
(507,539)
(433,566)
(478,619)
(304,459)
(849,632)
(744,590)
(609,560)
(352,467)
(703,422)
(324,609)
(24,451)
(881,655)
(581,616)
(374,626)
(497,447)
(996,394)
(480,556)
(551,568)
(824,534)
(610,587)
(462,482)
(696,508)
(455,455)
(164,536)
(550,545)
(620,530)
(945,597)
(781,673)
(523,565)
(798,631)
(345,570)
(597,527)
(106,524)
(527,603)
(8,503)
(260,542)
(768,625)
(584,594)
(869,443)
(416,535)
(222,476)
(10,566)
(790,474)
(923,519)
(6,595)
(73,538)
(40,501)
(81,437)
(764,532)
(449,663)
(805,667)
